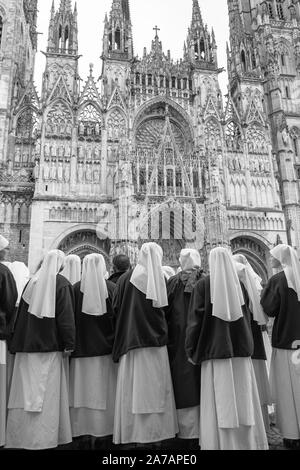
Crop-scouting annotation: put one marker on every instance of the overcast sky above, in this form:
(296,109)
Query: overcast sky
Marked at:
(173,17)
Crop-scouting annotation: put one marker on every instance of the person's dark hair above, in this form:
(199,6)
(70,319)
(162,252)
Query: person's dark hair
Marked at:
(121,263)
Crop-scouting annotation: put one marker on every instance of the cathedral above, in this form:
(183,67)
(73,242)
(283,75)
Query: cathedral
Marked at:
(151,150)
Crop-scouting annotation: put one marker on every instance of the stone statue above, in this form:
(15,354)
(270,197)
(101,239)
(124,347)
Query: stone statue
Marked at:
(60,172)
(81,128)
(46,171)
(88,173)
(67,173)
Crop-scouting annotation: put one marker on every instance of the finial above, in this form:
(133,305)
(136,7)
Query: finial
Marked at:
(156,29)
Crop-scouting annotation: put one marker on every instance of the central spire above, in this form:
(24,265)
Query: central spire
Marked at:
(117,41)
(63,29)
(197,17)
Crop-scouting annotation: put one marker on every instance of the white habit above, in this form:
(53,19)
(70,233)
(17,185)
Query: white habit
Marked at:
(230,415)
(145,405)
(93,382)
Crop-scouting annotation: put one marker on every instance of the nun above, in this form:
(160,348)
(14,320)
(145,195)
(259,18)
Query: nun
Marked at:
(281,300)
(8,299)
(145,406)
(185,376)
(257,320)
(38,406)
(72,269)
(219,338)
(258,283)
(93,374)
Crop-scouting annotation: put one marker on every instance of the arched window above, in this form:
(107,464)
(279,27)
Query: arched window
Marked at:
(118,39)
(279,6)
(170,181)
(172,225)
(1,29)
(270,8)
(196,50)
(60,37)
(66,45)
(160,225)
(243,60)
(296,146)
(283,60)
(287,92)
(202,49)
(196,179)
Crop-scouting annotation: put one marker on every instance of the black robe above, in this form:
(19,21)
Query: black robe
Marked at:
(138,324)
(94,335)
(42,335)
(208,337)
(8,299)
(259,346)
(116,276)
(281,302)
(185,376)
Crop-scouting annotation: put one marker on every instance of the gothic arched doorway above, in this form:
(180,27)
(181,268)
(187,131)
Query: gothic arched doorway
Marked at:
(85,242)
(255,252)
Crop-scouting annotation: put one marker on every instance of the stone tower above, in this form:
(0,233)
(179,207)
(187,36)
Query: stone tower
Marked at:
(265,45)
(18,120)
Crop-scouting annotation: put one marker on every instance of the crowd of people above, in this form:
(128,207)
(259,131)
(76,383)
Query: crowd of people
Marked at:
(148,355)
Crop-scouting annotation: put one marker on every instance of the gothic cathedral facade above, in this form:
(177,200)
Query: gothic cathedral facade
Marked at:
(151,151)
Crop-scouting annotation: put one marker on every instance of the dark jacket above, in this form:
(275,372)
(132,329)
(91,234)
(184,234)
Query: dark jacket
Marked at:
(138,323)
(38,335)
(281,302)
(259,346)
(208,337)
(116,276)
(8,299)
(94,335)
(185,376)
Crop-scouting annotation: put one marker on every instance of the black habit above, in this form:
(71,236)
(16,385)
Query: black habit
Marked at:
(8,299)
(137,323)
(259,346)
(281,302)
(208,337)
(94,335)
(42,335)
(185,376)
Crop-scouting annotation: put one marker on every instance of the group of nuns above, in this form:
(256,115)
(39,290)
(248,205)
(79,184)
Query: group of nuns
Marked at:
(153,356)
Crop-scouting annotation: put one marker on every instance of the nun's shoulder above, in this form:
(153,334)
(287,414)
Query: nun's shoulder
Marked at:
(125,277)
(278,279)
(174,280)
(62,282)
(5,271)
(110,285)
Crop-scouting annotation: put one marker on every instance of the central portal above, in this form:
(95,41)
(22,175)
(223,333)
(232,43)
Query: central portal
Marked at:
(85,242)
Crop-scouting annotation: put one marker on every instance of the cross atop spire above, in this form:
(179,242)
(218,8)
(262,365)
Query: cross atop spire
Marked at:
(156,29)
